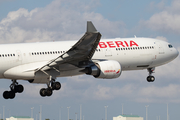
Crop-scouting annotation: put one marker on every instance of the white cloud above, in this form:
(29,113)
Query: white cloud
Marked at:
(167,20)
(153,5)
(60,20)
(161,38)
(164,94)
(164,21)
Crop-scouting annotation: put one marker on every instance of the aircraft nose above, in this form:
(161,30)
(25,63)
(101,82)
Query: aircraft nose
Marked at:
(176,53)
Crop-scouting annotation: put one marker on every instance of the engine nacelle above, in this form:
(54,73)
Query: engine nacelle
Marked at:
(105,69)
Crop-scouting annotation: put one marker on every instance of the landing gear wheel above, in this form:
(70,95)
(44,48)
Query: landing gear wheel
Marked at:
(56,86)
(6,94)
(14,88)
(9,94)
(150,78)
(12,94)
(49,92)
(43,92)
(51,85)
(19,88)
(46,92)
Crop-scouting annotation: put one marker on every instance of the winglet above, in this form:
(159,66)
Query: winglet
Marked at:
(90,27)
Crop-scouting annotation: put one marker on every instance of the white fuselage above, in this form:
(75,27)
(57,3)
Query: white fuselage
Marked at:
(131,53)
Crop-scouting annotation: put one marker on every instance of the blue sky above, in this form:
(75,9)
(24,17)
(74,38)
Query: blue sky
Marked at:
(48,20)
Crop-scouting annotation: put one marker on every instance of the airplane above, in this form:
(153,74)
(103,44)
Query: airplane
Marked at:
(106,59)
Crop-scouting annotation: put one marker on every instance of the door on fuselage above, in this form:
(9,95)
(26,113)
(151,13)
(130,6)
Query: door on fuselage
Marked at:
(19,55)
(160,48)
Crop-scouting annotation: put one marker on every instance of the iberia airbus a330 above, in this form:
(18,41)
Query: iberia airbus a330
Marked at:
(106,59)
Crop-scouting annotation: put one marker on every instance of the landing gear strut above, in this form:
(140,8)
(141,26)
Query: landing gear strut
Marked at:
(52,85)
(15,88)
(150,78)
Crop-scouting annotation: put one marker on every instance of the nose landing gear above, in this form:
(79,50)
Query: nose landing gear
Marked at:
(150,78)
(15,88)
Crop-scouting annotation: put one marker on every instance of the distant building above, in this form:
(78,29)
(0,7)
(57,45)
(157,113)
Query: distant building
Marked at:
(19,118)
(128,117)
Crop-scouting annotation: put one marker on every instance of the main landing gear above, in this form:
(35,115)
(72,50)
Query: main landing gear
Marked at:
(52,85)
(150,78)
(15,88)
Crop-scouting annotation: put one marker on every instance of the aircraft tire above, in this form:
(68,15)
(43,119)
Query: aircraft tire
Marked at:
(49,92)
(12,94)
(43,92)
(150,78)
(6,94)
(9,94)
(19,88)
(57,86)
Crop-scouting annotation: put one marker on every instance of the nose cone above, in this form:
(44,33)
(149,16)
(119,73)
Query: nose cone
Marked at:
(176,53)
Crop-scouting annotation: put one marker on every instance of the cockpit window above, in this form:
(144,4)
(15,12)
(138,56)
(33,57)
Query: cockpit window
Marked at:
(170,46)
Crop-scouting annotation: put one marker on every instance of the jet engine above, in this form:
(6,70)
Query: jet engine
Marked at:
(105,69)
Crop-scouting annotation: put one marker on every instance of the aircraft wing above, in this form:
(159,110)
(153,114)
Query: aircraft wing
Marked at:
(79,54)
